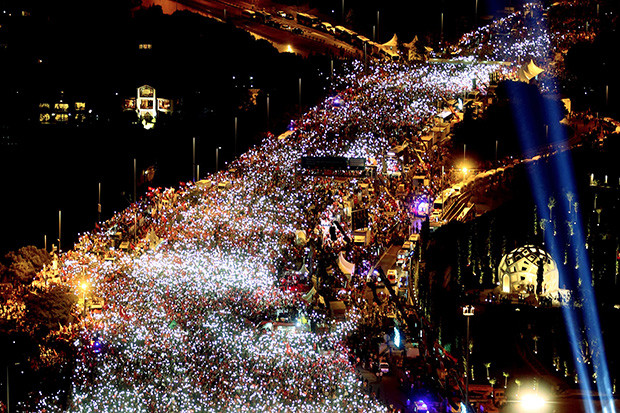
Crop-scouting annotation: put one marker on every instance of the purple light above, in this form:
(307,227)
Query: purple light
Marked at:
(420,206)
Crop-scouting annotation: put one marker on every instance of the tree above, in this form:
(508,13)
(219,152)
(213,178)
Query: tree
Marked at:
(23,265)
(51,308)
(551,205)
(487,365)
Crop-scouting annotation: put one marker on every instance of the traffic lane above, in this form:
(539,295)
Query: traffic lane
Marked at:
(299,43)
(311,40)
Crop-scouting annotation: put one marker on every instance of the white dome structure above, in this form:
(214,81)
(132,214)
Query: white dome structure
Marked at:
(517,271)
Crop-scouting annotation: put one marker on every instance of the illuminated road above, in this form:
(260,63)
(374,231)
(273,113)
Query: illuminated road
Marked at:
(311,41)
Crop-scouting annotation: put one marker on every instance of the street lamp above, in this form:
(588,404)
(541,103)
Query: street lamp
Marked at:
(217,159)
(468,312)
(8,393)
(84,287)
(532,402)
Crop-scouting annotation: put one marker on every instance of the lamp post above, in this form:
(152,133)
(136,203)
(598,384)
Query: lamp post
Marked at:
(267,110)
(476,15)
(99,204)
(235,154)
(299,97)
(217,159)
(59,229)
(468,312)
(84,287)
(135,165)
(8,395)
(194,159)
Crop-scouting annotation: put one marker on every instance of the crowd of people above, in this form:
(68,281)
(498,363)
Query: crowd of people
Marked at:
(188,274)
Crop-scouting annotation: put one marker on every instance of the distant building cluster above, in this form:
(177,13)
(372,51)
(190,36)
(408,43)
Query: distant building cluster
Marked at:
(147,105)
(62,111)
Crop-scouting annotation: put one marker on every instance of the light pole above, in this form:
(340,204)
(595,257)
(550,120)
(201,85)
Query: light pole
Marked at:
(84,287)
(267,110)
(468,311)
(134,179)
(343,12)
(217,159)
(99,204)
(299,97)
(235,154)
(194,159)
(8,397)
(378,27)
(59,229)
(441,30)
(476,15)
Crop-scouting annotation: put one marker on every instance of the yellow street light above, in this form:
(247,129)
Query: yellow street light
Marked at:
(532,402)
(84,287)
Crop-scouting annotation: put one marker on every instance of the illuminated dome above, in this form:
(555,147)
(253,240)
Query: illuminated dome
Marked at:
(518,270)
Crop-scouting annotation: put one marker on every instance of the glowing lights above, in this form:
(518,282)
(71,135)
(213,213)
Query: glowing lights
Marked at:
(532,402)
(181,330)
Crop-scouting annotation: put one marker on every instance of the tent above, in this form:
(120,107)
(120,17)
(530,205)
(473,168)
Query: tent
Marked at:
(286,134)
(413,49)
(309,296)
(528,71)
(392,44)
(337,309)
(346,267)
(300,237)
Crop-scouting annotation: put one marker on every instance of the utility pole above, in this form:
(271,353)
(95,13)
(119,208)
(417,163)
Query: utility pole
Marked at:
(468,312)
(134,180)
(299,97)
(59,229)
(217,159)
(194,159)
(235,154)
(99,204)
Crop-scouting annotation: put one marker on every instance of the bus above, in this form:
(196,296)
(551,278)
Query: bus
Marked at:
(308,20)
(344,34)
(249,14)
(263,16)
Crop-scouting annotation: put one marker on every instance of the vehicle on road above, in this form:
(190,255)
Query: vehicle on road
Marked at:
(297,30)
(392,276)
(401,257)
(273,23)
(308,20)
(285,15)
(249,14)
(286,27)
(384,367)
(326,27)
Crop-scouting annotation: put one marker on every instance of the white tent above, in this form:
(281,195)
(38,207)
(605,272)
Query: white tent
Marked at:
(345,266)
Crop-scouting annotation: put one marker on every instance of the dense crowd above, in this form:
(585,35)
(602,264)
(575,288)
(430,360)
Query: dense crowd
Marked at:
(186,299)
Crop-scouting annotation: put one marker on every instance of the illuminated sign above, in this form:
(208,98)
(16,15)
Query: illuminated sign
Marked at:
(164,105)
(129,104)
